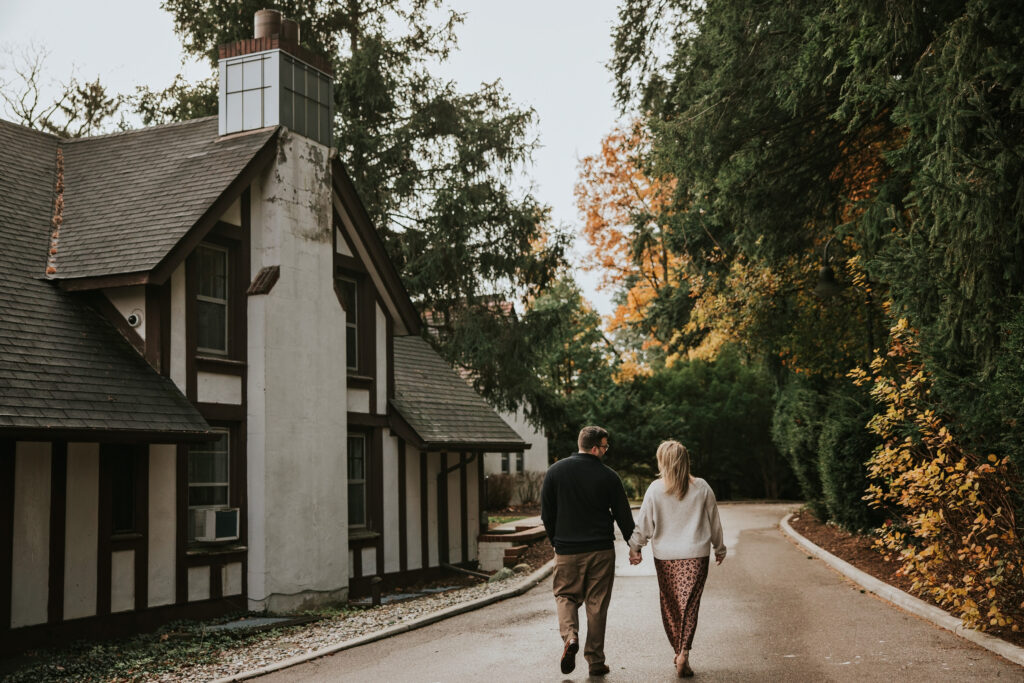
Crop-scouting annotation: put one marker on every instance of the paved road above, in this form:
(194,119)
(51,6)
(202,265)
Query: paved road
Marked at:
(768,614)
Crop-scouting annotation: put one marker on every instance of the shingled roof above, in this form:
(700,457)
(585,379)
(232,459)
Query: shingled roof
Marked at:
(64,368)
(443,410)
(131,197)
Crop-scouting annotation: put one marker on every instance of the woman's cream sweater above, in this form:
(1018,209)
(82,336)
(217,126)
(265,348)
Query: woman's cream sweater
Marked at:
(679,529)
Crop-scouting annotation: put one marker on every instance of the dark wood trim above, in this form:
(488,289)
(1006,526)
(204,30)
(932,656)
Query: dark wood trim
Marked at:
(165,329)
(347,264)
(403,532)
(442,510)
(476,446)
(154,323)
(481,495)
(359,381)
(104,281)
(378,447)
(191,289)
(241,463)
(357,561)
(113,625)
(221,412)
(103,436)
(361,586)
(198,232)
(142,524)
(424,510)
(390,355)
(108,311)
(463,506)
(374,245)
(369,332)
(181,530)
(398,424)
(367,420)
(104,535)
(58,530)
(7,463)
(220,366)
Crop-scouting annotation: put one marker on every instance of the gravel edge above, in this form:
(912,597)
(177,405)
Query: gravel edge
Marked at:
(523,586)
(905,601)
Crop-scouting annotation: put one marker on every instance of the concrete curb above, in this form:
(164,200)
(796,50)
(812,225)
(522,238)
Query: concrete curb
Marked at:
(905,601)
(520,588)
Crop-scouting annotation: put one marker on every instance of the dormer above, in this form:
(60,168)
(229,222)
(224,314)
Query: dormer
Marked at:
(271,80)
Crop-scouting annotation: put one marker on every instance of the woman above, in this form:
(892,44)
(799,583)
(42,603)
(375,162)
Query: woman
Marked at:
(680,516)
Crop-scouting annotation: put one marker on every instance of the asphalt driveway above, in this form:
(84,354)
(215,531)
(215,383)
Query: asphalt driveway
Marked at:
(768,614)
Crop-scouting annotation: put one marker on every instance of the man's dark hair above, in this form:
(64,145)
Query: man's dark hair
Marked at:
(591,436)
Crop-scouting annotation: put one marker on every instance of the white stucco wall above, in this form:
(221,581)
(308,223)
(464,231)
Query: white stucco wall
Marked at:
(178,327)
(381,339)
(31,543)
(81,522)
(358,401)
(199,583)
(413,521)
(296,390)
(122,581)
(163,518)
(128,300)
(212,387)
(231,579)
(390,504)
(535,459)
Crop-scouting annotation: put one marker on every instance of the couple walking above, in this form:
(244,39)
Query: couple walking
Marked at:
(579,501)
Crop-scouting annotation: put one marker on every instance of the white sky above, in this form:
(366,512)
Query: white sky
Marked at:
(549,55)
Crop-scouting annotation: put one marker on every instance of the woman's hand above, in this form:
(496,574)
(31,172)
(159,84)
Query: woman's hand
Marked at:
(635,557)
(719,556)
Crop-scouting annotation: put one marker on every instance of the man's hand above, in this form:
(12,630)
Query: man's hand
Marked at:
(635,557)
(719,557)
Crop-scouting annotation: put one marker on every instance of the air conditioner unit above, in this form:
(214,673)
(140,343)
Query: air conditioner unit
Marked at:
(215,524)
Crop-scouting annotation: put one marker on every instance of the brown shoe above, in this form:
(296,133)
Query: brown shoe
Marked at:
(572,646)
(599,670)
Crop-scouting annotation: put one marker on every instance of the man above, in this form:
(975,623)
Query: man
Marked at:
(579,500)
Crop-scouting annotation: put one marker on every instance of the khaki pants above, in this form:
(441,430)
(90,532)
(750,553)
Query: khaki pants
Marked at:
(584,579)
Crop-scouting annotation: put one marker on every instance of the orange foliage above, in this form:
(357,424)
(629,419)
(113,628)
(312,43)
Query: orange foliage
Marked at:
(621,206)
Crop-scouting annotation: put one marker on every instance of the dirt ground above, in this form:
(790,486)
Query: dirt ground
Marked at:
(857,551)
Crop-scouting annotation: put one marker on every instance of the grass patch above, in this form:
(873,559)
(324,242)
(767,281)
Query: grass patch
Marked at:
(504,519)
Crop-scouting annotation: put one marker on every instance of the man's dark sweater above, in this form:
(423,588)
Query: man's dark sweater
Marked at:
(580,499)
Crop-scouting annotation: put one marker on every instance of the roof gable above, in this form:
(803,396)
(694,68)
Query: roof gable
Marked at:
(63,368)
(131,198)
(370,250)
(443,410)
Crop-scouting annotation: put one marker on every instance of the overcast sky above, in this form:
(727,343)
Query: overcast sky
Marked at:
(550,56)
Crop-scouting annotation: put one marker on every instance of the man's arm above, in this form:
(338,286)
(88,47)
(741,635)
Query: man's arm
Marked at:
(620,508)
(549,506)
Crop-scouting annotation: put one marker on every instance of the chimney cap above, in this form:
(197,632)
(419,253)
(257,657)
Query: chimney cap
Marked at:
(266,23)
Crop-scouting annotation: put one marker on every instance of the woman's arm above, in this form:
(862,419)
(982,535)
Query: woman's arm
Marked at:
(644,524)
(717,540)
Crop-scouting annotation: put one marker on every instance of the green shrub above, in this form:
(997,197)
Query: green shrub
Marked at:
(499,488)
(796,428)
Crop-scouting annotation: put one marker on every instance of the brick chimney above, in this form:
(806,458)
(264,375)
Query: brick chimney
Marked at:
(271,80)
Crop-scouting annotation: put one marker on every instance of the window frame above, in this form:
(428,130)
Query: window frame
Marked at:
(226,302)
(364,481)
(228,435)
(352,318)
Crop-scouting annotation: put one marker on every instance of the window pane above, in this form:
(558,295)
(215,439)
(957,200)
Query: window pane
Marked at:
(213,272)
(234,77)
(234,114)
(207,495)
(312,117)
(252,113)
(356,503)
(212,326)
(208,462)
(351,357)
(123,493)
(287,67)
(356,459)
(253,74)
(519,462)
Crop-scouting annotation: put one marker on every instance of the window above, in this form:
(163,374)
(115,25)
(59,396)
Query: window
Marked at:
(519,462)
(208,476)
(349,296)
(504,463)
(212,299)
(357,480)
(122,492)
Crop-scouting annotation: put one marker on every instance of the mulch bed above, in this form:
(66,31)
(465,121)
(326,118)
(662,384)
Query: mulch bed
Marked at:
(857,551)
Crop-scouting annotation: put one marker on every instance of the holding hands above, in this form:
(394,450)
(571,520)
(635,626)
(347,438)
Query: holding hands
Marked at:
(635,557)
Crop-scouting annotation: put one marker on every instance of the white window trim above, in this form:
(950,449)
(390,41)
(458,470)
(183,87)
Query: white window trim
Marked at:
(214,300)
(361,437)
(226,484)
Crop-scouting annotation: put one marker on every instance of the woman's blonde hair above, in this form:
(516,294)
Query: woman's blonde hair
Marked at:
(674,467)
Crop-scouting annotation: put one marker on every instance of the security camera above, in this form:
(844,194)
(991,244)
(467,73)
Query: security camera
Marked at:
(135,318)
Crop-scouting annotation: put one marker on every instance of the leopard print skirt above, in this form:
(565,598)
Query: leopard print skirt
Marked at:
(681,583)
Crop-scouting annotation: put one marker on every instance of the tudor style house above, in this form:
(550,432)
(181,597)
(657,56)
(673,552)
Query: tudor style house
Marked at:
(213,392)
